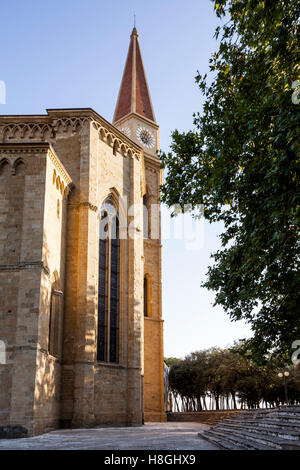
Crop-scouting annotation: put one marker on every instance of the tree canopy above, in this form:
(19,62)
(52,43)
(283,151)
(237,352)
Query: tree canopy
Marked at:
(229,379)
(241,161)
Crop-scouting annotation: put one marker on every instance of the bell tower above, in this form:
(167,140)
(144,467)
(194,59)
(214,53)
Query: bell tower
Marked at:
(134,116)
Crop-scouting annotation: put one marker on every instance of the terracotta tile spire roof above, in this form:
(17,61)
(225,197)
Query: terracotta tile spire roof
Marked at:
(134,95)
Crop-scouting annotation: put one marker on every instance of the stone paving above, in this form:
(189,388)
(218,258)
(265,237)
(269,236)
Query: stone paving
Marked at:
(155,436)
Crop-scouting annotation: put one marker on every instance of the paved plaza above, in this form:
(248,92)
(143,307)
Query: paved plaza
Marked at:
(152,436)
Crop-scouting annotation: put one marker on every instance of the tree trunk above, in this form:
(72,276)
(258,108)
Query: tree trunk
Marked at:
(176,402)
(227,402)
(184,401)
(199,405)
(234,400)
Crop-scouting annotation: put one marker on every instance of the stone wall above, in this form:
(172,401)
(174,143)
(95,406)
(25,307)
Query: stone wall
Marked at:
(111,394)
(25,285)
(48,367)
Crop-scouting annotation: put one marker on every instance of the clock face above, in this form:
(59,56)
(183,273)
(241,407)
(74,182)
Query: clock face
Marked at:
(145,137)
(126,131)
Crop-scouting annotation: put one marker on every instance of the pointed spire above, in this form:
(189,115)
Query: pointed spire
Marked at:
(134,95)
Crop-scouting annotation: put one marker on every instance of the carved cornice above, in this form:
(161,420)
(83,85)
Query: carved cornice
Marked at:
(39,131)
(60,122)
(24,147)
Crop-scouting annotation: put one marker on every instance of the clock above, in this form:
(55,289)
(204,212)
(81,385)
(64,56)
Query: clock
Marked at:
(145,137)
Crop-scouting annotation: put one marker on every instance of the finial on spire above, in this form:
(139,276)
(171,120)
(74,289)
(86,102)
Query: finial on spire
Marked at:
(134,31)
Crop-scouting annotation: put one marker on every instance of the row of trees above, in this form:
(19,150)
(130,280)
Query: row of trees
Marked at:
(225,379)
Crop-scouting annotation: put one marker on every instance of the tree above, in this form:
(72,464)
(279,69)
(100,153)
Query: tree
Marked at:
(242,163)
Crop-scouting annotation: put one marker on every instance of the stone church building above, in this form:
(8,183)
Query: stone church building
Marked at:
(80,265)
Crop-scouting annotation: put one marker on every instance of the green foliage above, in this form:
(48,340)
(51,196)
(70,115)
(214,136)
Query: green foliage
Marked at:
(242,163)
(228,373)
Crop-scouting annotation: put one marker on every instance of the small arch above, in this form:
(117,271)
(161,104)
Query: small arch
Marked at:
(115,147)
(47,132)
(77,125)
(102,134)
(109,139)
(16,132)
(58,182)
(24,129)
(6,132)
(35,131)
(67,126)
(4,166)
(123,150)
(18,167)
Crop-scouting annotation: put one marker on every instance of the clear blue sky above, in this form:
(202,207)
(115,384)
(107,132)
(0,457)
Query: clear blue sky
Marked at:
(71,53)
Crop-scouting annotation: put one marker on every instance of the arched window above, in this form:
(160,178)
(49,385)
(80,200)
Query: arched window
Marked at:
(146,215)
(108,285)
(55,319)
(147,296)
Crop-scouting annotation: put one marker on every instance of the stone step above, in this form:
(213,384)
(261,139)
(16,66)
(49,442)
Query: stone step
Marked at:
(231,440)
(277,421)
(281,433)
(215,439)
(255,438)
(284,415)
(270,424)
(271,421)
(287,417)
(285,420)
(258,429)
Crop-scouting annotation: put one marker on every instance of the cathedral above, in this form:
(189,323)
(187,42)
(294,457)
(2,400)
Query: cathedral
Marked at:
(80,265)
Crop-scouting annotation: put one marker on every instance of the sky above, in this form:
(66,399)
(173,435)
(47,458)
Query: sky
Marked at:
(71,54)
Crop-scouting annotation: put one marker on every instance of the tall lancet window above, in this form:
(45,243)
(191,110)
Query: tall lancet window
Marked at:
(108,289)
(147,215)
